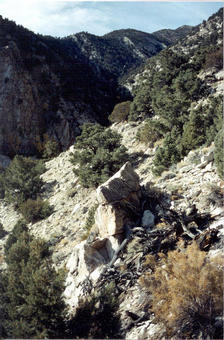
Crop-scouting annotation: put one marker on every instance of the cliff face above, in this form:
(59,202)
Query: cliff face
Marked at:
(47,87)
(20,110)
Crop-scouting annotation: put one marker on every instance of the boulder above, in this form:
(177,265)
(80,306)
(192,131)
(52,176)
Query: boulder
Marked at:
(86,263)
(148,219)
(85,258)
(121,186)
(117,197)
(110,220)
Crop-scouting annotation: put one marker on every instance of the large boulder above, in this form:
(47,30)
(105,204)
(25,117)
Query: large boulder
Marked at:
(117,197)
(110,220)
(121,186)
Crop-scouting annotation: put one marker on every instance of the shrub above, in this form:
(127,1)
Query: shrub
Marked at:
(214,118)
(187,291)
(166,155)
(218,154)
(22,179)
(140,108)
(47,147)
(193,132)
(19,228)
(214,59)
(149,133)
(35,210)
(100,155)
(215,195)
(120,112)
(51,149)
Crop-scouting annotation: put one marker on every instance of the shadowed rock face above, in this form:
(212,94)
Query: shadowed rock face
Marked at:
(20,114)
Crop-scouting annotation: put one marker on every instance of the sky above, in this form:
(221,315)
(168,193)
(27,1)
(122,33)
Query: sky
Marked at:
(63,18)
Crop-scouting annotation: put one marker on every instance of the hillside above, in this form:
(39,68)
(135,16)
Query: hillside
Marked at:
(186,203)
(172,36)
(87,251)
(119,51)
(51,86)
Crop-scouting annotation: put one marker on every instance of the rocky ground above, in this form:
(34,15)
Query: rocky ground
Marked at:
(149,214)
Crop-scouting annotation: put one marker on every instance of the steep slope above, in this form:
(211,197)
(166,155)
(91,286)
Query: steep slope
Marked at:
(120,50)
(179,95)
(50,86)
(46,89)
(193,186)
(149,217)
(198,41)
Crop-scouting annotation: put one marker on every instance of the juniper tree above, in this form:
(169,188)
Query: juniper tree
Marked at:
(100,154)
(22,179)
(32,289)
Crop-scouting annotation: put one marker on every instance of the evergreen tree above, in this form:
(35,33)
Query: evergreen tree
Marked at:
(167,154)
(97,316)
(101,154)
(32,290)
(22,179)
(141,106)
(194,132)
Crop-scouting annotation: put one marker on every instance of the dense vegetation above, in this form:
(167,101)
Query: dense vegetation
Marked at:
(166,99)
(30,289)
(100,154)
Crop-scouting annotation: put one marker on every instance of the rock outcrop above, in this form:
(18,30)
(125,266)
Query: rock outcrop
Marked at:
(20,114)
(116,197)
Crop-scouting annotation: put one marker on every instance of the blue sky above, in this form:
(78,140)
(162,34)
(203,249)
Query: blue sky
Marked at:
(62,18)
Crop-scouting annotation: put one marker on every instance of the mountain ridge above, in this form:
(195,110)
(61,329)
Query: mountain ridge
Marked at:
(63,83)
